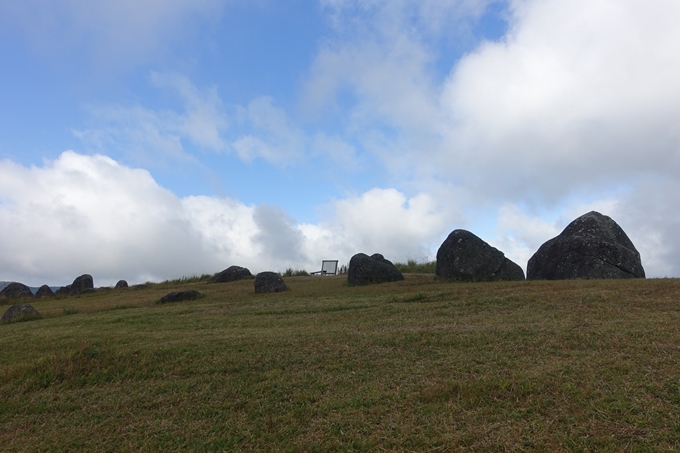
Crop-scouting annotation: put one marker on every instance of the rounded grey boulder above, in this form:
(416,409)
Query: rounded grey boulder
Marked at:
(367,270)
(592,246)
(44,291)
(231,274)
(20,312)
(464,256)
(121,284)
(269,282)
(16,289)
(82,284)
(179,296)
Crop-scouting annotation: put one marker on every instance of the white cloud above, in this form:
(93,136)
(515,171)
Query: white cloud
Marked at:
(578,92)
(89,214)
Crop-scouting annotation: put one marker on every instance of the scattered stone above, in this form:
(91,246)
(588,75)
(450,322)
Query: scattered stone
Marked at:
(464,256)
(20,312)
(122,284)
(592,246)
(366,270)
(269,282)
(82,284)
(16,289)
(44,291)
(231,274)
(66,290)
(139,286)
(179,296)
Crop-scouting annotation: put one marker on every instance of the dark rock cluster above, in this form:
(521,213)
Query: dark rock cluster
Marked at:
(366,270)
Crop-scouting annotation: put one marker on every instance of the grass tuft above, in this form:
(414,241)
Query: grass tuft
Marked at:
(414,267)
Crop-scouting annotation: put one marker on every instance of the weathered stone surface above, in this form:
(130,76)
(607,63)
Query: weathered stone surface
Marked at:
(269,282)
(16,289)
(179,296)
(66,290)
(44,291)
(82,284)
(122,284)
(465,256)
(20,312)
(367,270)
(231,274)
(592,246)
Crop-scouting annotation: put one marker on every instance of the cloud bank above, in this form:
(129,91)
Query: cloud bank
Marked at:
(90,214)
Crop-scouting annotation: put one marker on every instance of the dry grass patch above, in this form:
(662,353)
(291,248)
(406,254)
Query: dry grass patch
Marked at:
(419,365)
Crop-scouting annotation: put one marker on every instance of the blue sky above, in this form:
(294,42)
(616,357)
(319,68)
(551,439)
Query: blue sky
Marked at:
(155,139)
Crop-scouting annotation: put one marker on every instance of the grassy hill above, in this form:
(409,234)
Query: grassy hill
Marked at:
(418,365)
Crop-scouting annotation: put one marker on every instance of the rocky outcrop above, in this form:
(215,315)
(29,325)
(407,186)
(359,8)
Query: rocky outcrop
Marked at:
(44,291)
(20,312)
(231,274)
(121,284)
(367,270)
(82,284)
(269,282)
(464,256)
(16,289)
(179,296)
(592,246)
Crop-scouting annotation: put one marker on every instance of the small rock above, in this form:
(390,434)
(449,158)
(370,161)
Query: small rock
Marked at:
(269,282)
(367,270)
(179,296)
(122,284)
(44,291)
(231,274)
(20,312)
(16,289)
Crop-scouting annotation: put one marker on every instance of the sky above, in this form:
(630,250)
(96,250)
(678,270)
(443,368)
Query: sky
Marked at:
(153,139)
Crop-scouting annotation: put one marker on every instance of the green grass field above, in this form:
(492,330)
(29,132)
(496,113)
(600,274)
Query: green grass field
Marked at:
(418,365)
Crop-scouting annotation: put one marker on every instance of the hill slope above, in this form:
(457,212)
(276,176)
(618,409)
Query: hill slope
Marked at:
(415,365)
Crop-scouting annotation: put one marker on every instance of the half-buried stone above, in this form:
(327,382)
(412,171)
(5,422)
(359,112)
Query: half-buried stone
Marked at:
(44,291)
(592,246)
(464,256)
(16,289)
(121,284)
(231,274)
(20,312)
(179,296)
(269,282)
(367,270)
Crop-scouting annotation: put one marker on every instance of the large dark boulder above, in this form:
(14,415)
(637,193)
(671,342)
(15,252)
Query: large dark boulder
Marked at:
(44,291)
(179,296)
(464,256)
(16,289)
(82,284)
(269,282)
(20,312)
(121,284)
(366,270)
(592,246)
(65,290)
(231,274)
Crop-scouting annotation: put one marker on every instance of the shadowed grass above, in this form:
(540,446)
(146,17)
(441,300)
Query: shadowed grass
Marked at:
(417,365)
